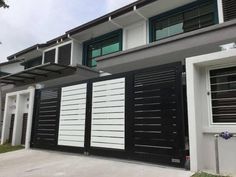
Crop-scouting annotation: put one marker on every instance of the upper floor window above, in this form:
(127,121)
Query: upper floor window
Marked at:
(33,62)
(100,46)
(59,54)
(229,9)
(64,54)
(49,56)
(188,18)
(3,74)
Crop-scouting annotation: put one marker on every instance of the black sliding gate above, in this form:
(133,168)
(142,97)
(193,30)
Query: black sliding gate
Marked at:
(153,117)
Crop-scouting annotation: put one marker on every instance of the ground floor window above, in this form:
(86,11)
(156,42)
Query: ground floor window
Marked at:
(223,94)
(100,46)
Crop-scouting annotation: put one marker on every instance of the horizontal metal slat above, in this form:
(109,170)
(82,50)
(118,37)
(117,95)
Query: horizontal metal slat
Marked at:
(156,142)
(155,149)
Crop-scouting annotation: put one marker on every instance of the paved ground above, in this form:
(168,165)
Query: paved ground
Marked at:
(34,163)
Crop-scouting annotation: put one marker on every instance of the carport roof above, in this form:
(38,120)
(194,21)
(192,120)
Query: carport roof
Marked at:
(31,75)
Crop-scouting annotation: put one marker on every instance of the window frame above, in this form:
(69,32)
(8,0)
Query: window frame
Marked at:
(2,74)
(26,64)
(70,53)
(51,50)
(57,52)
(153,20)
(209,97)
(98,39)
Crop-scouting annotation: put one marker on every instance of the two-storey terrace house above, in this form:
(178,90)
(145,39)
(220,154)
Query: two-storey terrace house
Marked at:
(88,91)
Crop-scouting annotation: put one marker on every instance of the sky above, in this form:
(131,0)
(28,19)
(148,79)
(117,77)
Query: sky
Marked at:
(29,22)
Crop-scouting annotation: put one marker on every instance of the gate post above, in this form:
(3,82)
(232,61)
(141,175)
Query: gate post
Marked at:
(129,116)
(88,118)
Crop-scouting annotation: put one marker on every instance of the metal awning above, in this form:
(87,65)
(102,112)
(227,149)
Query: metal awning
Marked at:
(37,73)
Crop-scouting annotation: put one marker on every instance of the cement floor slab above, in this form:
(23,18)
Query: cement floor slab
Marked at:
(37,163)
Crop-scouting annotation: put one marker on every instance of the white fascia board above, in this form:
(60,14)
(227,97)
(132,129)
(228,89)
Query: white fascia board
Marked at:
(57,46)
(20,92)
(216,57)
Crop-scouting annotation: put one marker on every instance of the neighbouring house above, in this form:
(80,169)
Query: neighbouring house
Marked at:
(152,81)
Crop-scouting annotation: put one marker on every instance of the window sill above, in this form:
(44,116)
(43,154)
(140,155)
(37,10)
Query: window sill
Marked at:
(216,129)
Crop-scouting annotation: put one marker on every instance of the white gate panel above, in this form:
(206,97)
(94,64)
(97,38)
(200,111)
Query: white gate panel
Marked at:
(72,116)
(108,114)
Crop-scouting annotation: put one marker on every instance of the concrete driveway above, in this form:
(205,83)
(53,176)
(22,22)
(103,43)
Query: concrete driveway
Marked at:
(35,163)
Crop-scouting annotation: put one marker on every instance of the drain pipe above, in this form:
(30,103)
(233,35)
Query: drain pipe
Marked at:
(217,154)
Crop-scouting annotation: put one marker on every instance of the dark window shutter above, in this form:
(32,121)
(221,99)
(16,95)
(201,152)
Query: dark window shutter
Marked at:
(223,94)
(49,56)
(229,8)
(64,55)
(34,62)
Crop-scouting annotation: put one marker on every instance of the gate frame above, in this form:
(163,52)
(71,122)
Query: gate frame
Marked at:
(180,112)
(127,153)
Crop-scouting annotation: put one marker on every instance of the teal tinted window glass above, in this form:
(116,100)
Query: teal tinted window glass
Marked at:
(102,47)
(162,30)
(111,48)
(169,27)
(96,53)
(175,25)
(92,63)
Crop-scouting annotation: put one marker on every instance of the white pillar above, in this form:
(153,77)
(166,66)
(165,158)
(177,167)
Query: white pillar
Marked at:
(191,119)
(220,11)
(17,130)
(6,121)
(1,118)
(30,118)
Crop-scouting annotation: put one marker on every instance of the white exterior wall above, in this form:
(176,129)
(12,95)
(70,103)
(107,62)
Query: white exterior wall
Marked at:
(77,54)
(201,130)
(16,103)
(12,68)
(135,35)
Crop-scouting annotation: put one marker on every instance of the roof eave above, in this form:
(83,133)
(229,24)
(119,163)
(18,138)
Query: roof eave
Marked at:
(114,14)
(27,50)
